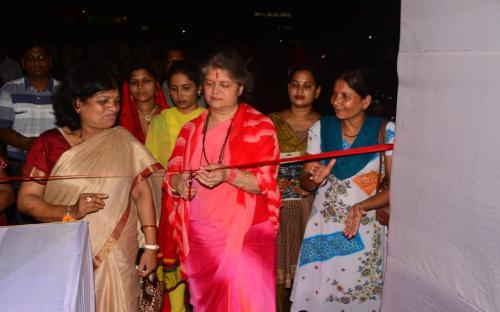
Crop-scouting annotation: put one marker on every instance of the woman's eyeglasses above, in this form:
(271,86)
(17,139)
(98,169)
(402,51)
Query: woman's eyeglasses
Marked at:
(39,58)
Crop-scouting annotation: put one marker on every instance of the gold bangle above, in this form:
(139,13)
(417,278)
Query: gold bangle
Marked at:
(170,186)
(247,174)
(173,191)
(148,226)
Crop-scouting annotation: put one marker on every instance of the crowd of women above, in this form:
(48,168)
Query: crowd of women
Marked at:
(242,237)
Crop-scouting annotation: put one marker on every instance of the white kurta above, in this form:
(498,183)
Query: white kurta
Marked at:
(334,273)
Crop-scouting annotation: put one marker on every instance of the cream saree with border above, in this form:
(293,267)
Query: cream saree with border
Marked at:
(115,162)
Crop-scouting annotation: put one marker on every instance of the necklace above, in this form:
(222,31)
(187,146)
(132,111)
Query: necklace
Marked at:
(347,135)
(350,136)
(148,116)
(355,135)
(221,154)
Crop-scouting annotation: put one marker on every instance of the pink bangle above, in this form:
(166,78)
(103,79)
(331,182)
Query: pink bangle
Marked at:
(232,175)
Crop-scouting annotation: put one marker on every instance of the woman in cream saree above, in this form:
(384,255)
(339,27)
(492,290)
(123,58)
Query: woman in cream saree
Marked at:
(110,193)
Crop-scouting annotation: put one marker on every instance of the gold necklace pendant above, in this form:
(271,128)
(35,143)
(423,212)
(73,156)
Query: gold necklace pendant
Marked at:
(148,116)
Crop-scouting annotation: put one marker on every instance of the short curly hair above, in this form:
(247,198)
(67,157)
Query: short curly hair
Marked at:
(81,83)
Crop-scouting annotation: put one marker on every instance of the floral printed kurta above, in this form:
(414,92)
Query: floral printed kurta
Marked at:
(334,273)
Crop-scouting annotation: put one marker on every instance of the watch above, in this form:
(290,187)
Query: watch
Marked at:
(151,247)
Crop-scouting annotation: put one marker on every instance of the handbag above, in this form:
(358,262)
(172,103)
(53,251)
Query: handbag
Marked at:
(383,213)
(150,294)
(150,291)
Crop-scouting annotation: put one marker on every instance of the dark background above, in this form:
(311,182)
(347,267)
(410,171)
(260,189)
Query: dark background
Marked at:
(333,35)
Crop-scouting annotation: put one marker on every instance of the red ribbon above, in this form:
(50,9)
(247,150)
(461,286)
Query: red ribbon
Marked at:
(335,154)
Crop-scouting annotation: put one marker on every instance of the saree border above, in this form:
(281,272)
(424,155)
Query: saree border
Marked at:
(115,235)
(112,240)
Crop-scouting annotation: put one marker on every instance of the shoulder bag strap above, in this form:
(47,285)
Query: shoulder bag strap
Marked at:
(381,140)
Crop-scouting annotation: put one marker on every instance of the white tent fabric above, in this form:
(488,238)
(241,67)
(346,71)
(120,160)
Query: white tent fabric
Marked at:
(444,249)
(46,268)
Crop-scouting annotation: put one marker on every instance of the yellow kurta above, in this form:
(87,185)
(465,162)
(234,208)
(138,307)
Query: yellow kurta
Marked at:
(160,141)
(163,131)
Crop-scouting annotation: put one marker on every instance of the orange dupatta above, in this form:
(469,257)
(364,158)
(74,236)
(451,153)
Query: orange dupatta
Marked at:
(129,117)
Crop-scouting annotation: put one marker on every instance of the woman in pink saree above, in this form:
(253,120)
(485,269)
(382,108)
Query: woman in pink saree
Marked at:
(222,223)
(111,199)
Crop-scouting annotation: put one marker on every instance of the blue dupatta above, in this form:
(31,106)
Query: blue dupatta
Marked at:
(331,140)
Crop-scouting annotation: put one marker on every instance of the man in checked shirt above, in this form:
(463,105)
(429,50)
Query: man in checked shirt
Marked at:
(26,105)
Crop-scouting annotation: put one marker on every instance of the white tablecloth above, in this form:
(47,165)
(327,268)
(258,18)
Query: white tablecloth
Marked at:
(46,267)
